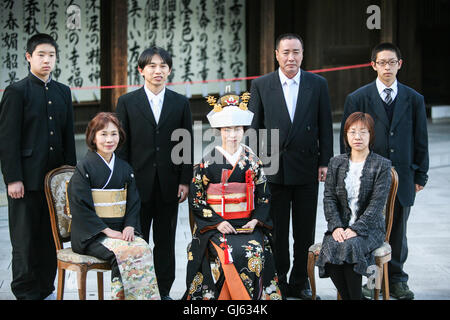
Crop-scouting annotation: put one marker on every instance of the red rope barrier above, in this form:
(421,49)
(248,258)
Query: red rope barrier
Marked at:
(356,66)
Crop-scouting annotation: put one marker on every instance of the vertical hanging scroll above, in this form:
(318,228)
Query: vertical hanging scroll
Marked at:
(75,25)
(206,40)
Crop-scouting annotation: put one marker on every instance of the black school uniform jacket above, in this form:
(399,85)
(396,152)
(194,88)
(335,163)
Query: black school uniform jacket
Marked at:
(36,131)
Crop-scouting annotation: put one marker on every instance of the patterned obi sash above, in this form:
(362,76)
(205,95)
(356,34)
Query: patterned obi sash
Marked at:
(234,200)
(110,203)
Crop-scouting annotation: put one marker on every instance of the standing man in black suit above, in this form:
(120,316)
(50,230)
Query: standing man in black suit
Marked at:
(149,116)
(37,135)
(296,103)
(401,136)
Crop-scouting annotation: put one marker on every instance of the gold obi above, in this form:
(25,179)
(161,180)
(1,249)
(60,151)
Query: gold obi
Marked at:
(110,203)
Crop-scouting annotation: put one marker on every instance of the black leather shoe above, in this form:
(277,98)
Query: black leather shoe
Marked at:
(166,298)
(304,294)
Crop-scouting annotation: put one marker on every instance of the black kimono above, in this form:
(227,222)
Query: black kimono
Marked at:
(249,271)
(92,173)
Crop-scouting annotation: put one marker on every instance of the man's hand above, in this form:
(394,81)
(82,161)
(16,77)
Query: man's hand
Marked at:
(183,190)
(16,190)
(322,174)
(418,187)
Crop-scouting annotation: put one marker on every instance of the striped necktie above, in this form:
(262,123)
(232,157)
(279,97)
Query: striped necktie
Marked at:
(388,98)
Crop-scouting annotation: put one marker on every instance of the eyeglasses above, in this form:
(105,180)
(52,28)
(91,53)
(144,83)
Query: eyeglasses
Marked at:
(362,133)
(383,63)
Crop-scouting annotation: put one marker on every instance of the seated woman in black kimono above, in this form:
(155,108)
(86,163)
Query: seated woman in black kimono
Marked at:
(229,198)
(356,189)
(105,205)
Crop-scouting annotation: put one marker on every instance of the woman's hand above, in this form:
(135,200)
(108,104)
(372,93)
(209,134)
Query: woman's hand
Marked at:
(128,234)
(251,225)
(349,233)
(225,227)
(110,233)
(338,235)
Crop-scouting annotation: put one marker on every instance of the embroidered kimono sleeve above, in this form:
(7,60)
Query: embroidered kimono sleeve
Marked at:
(205,217)
(373,213)
(330,200)
(262,195)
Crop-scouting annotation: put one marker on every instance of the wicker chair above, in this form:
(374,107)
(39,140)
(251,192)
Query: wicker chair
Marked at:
(56,182)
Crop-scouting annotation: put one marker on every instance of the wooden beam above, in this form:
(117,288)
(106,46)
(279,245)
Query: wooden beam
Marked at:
(388,21)
(113,50)
(267,36)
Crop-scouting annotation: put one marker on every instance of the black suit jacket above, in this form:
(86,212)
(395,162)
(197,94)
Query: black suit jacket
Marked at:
(148,146)
(36,131)
(307,142)
(404,141)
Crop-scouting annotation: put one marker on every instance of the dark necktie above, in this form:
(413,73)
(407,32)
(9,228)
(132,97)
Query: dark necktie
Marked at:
(388,98)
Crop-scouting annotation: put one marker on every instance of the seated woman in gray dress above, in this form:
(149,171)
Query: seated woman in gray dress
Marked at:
(356,189)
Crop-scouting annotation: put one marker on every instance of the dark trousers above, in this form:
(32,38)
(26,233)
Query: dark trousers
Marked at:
(399,244)
(33,248)
(346,281)
(303,200)
(164,217)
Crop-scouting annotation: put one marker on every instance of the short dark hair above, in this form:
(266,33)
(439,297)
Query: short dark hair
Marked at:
(99,122)
(385,46)
(365,119)
(285,36)
(146,56)
(38,39)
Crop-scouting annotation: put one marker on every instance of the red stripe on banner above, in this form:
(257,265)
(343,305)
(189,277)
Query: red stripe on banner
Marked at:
(356,66)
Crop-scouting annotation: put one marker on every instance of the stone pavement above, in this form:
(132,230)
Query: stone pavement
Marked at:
(428,264)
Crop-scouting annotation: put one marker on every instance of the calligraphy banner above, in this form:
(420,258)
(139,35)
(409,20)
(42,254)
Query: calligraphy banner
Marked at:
(206,39)
(75,25)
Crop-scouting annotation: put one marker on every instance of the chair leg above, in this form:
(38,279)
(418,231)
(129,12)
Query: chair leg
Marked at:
(100,285)
(385,282)
(61,279)
(378,282)
(81,277)
(312,280)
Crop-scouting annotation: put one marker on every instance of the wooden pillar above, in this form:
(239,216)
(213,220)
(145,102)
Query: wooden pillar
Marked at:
(267,36)
(113,50)
(388,21)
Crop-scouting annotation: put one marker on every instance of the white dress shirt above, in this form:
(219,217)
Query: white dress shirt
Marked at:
(156,101)
(290,91)
(381,86)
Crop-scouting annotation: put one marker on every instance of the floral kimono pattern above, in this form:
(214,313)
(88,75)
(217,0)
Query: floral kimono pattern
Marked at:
(249,273)
(135,261)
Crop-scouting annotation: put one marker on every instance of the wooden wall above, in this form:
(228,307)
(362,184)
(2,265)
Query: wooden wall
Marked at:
(335,34)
